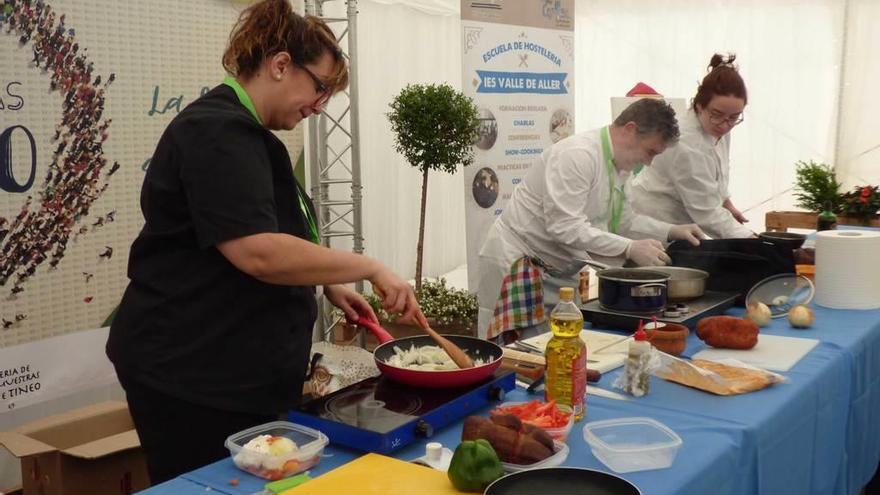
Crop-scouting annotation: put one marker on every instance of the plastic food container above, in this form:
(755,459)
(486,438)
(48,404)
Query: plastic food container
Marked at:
(274,466)
(632,444)
(560,433)
(561,454)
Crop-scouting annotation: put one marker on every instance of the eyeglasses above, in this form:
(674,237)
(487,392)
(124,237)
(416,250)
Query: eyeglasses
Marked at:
(324,92)
(719,118)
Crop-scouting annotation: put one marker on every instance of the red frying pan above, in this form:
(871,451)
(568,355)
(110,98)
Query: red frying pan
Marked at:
(473,347)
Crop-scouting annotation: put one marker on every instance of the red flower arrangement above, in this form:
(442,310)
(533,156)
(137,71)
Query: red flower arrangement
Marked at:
(862,202)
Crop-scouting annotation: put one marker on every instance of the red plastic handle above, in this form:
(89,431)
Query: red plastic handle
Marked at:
(375,329)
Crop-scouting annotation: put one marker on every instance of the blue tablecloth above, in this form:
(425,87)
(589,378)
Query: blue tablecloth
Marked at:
(818,433)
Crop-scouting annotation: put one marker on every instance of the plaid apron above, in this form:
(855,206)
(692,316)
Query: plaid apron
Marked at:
(520,303)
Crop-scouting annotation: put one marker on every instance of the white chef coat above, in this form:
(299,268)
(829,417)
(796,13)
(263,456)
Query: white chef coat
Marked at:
(559,213)
(688,183)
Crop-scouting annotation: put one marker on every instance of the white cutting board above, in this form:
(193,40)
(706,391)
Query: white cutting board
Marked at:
(773,352)
(607,359)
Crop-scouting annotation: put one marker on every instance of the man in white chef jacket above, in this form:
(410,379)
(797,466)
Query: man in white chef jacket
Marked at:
(572,206)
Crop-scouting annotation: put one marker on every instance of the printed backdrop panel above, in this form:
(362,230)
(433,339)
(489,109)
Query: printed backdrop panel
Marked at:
(86,89)
(518,66)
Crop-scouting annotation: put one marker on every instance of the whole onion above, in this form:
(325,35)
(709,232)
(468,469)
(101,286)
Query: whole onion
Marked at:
(759,313)
(801,316)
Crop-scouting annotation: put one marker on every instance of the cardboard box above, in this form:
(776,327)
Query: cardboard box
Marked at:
(90,451)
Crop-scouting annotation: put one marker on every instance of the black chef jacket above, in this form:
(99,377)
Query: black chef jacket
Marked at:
(190,323)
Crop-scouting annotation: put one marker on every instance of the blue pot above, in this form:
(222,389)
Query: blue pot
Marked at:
(631,290)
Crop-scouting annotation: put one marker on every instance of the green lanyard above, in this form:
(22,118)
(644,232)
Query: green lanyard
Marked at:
(245,100)
(617,196)
(243,97)
(313,230)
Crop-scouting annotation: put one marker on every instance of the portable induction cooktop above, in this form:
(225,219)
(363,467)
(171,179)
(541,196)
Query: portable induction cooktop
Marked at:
(380,415)
(685,313)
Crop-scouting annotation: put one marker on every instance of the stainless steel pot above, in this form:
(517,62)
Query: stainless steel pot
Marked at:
(684,283)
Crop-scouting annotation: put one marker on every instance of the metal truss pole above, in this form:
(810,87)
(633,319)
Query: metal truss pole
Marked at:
(334,156)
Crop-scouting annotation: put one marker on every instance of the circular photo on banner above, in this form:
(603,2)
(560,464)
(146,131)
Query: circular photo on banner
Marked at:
(561,125)
(485,187)
(488,130)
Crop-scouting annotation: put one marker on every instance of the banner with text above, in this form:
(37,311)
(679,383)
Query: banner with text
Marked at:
(49,369)
(518,66)
(86,90)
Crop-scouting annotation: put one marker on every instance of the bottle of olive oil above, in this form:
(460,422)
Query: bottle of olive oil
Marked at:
(566,355)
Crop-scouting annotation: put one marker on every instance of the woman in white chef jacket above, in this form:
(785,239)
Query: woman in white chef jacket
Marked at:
(688,182)
(572,205)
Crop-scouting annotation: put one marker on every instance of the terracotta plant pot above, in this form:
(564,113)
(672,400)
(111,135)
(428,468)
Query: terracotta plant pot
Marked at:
(670,338)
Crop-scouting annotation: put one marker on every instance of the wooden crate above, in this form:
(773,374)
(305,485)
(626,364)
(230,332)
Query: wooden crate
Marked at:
(781,221)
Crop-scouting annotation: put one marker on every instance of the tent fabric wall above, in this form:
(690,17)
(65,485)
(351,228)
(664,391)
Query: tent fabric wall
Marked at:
(400,44)
(788,52)
(858,158)
(435,7)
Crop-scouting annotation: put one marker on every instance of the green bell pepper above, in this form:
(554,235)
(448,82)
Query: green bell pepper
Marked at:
(473,466)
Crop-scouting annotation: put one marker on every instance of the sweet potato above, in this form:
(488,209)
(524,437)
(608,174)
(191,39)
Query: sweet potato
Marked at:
(512,445)
(728,332)
(507,421)
(539,435)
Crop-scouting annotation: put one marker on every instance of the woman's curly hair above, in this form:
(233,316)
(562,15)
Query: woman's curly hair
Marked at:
(271,26)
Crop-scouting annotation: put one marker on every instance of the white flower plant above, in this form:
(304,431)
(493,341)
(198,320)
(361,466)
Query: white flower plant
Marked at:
(445,305)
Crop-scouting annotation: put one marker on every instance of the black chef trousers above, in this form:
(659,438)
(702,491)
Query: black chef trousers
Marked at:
(178,436)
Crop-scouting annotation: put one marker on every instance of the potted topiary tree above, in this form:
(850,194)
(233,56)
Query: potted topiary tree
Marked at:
(434,126)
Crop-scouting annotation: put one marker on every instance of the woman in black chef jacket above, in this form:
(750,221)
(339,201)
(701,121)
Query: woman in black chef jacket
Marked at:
(214,330)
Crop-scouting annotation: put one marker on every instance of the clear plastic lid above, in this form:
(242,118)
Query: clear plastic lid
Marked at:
(782,292)
(630,435)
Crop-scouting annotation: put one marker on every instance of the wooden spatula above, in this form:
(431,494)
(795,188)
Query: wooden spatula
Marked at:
(459,357)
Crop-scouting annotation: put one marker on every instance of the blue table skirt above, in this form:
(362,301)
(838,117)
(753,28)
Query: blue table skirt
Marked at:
(818,433)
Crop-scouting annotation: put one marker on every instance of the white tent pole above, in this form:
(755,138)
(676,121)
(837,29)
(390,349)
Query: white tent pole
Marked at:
(841,86)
